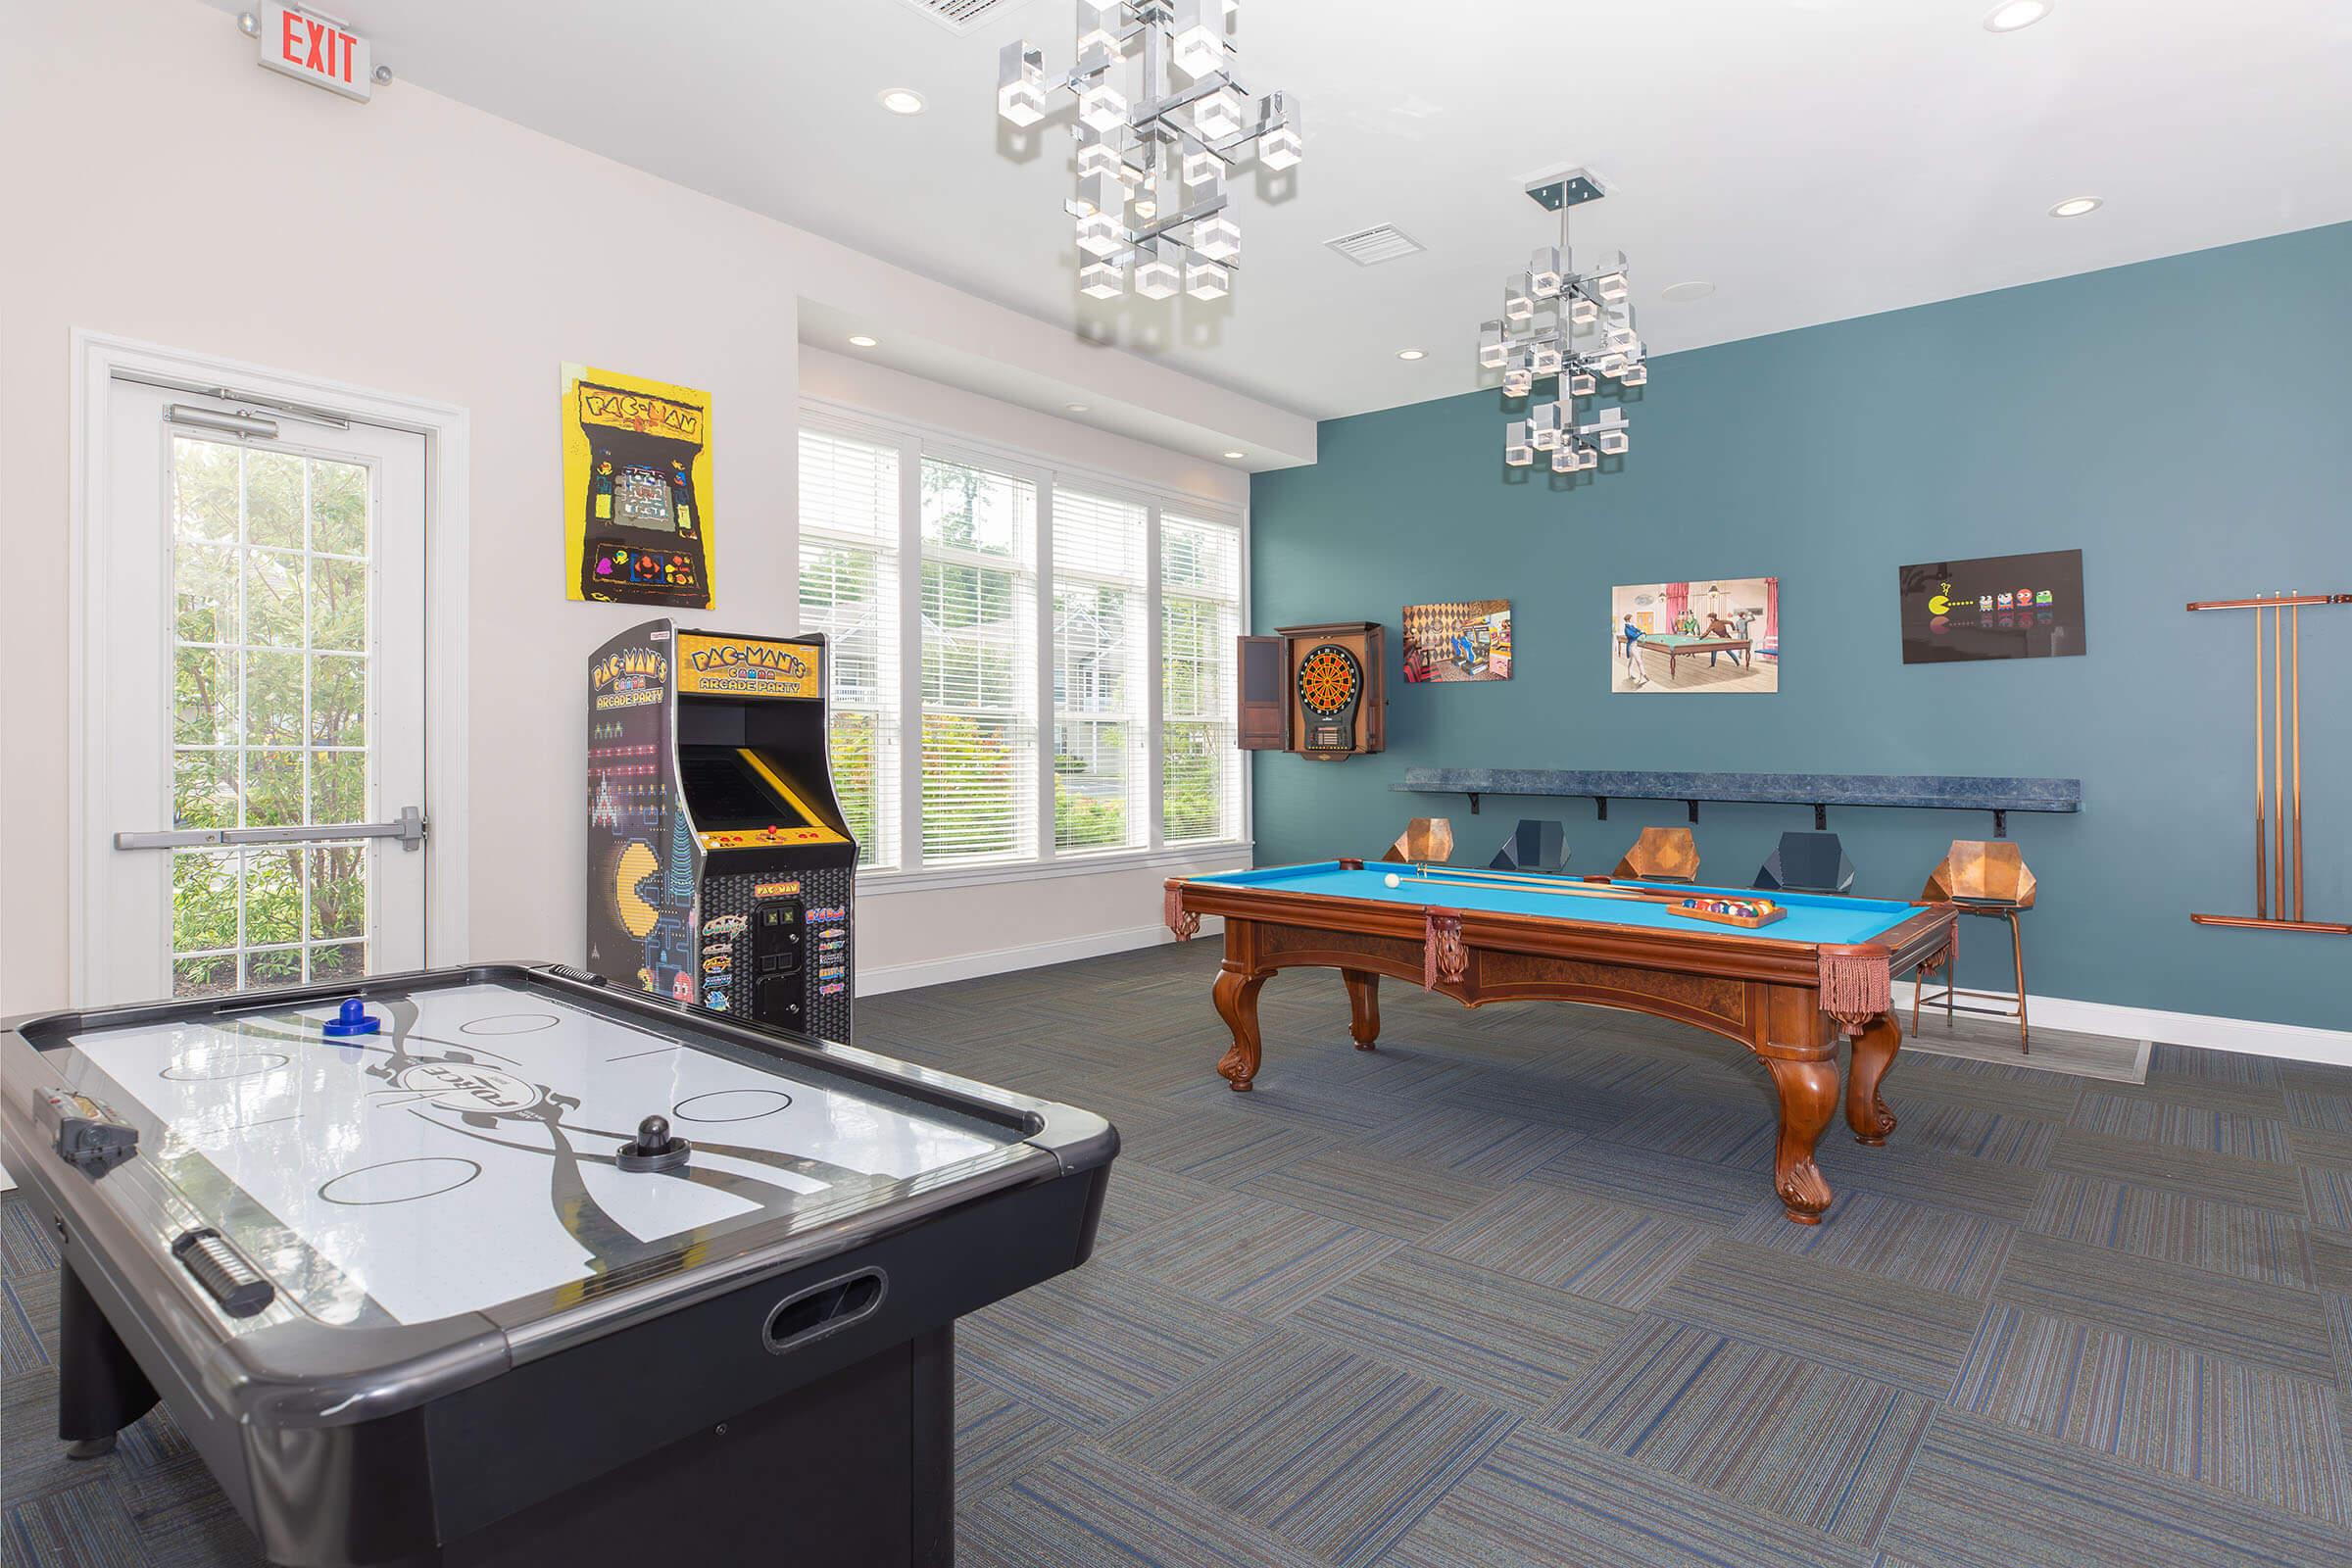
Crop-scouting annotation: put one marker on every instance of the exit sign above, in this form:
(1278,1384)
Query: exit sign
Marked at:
(315,49)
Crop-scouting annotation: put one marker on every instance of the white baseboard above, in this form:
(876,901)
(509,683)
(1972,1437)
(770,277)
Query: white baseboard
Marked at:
(1003,960)
(2288,1041)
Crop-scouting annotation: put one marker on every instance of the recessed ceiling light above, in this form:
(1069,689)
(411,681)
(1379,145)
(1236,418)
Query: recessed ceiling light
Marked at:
(1077,407)
(861,341)
(1411,354)
(2011,14)
(1237,455)
(2076,207)
(907,101)
(1683,293)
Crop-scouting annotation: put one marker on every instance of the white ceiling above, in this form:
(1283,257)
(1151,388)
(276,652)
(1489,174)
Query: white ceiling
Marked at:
(1814,159)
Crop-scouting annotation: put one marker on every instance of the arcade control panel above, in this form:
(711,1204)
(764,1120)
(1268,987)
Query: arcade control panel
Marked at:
(614,565)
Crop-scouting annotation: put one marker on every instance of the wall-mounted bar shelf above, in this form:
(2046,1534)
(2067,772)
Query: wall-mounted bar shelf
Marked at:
(1819,791)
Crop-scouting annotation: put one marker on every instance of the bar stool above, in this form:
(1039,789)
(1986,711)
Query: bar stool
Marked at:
(1425,840)
(1534,845)
(1662,854)
(1807,862)
(1987,877)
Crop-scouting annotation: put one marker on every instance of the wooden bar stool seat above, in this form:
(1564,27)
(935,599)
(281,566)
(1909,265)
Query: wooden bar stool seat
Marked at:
(1425,840)
(1986,877)
(1662,854)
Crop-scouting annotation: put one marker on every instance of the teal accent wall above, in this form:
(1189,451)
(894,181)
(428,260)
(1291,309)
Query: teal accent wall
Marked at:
(2186,424)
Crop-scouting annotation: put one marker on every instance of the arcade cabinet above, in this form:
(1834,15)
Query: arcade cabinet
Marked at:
(720,871)
(642,528)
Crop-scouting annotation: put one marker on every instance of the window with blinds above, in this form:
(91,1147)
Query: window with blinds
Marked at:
(1200,616)
(1101,788)
(850,592)
(979,665)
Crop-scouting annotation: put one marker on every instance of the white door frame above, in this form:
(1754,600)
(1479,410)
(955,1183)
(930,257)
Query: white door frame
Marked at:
(97,358)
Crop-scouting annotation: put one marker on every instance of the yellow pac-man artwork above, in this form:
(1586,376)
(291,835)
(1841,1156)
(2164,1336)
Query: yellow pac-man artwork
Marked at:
(637,524)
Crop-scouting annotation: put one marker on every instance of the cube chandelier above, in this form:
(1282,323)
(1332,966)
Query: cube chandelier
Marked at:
(1160,120)
(1570,326)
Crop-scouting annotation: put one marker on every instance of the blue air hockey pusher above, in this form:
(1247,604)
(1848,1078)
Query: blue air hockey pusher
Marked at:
(507,1264)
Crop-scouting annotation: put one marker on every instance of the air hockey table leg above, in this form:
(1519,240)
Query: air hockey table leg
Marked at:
(100,1389)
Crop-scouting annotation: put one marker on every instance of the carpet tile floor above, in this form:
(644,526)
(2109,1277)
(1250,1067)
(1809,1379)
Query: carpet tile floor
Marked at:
(1512,1291)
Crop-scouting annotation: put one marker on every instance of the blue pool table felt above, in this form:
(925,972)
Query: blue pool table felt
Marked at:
(1812,917)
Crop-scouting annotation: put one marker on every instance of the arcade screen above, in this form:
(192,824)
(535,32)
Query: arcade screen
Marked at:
(1994,607)
(727,792)
(642,499)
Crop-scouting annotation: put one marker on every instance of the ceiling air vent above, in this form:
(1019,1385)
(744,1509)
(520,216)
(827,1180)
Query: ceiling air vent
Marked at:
(1369,247)
(962,16)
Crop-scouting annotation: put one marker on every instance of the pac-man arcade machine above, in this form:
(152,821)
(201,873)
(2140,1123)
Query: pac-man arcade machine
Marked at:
(720,871)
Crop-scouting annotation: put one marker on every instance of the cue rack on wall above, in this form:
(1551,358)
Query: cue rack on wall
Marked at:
(2277,746)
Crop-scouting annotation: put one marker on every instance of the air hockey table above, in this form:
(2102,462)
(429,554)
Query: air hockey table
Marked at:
(502,1264)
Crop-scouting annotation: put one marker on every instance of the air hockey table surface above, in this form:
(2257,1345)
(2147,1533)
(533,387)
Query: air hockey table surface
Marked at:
(438,1245)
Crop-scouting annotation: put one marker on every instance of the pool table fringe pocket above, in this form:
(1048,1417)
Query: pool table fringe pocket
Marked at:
(1182,924)
(1442,954)
(1857,984)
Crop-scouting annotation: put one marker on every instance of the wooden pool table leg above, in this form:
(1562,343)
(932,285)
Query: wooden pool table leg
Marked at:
(1808,1089)
(1363,1006)
(1873,1051)
(1236,996)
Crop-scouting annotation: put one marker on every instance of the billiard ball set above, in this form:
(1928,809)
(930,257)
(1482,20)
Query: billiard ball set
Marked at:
(1747,912)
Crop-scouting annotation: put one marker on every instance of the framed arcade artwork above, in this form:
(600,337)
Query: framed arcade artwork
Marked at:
(1465,640)
(1709,634)
(636,490)
(1993,607)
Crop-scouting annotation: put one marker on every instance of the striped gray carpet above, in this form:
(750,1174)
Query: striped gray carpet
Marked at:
(1512,1291)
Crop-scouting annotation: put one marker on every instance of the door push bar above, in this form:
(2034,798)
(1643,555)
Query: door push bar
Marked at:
(409,828)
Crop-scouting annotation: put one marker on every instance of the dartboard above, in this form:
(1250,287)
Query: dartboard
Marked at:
(1329,678)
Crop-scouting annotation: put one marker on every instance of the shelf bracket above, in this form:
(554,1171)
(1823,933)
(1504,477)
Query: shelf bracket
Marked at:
(2000,823)
(1601,803)
(1821,817)
(1692,807)
(1474,802)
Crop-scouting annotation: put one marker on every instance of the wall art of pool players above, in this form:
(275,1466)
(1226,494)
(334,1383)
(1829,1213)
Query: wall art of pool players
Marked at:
(1467,640)
(1994,607)
(1710,634)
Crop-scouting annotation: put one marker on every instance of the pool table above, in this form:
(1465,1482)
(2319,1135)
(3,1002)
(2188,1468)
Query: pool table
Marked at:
(1788,991)
(1678,646)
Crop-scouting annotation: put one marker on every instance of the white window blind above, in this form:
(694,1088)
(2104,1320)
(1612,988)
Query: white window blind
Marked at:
(850,592)
(979,665)
(1100,721)
(1200,591)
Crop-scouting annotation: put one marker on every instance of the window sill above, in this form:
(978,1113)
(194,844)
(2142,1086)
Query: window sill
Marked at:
(1229,855)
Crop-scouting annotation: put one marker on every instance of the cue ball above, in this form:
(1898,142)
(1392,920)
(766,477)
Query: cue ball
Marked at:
(1394,880)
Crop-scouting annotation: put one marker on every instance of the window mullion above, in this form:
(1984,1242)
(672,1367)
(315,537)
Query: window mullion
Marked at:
(1042,686)
(1155,689)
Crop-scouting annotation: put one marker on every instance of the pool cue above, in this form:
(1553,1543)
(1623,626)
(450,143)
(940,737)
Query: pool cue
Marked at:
(1521,879)
(2262,787)
(2278,750)
(1572,889)
(2296,655)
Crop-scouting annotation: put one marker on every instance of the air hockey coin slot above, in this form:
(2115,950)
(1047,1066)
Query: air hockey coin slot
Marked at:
(821,1309)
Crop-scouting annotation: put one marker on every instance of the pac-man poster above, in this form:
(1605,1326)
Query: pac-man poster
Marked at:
(637,526)
(1996,606)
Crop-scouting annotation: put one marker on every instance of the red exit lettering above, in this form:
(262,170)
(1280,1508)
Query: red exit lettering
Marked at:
(314,46)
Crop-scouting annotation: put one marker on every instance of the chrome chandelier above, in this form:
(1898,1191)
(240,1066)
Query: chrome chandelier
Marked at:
(1160,120)
(1575,325)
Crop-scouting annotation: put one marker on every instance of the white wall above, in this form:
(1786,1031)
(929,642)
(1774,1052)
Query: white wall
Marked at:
(163,189)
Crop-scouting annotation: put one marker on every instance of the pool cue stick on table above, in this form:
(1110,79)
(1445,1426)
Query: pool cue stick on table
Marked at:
(1572,889)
